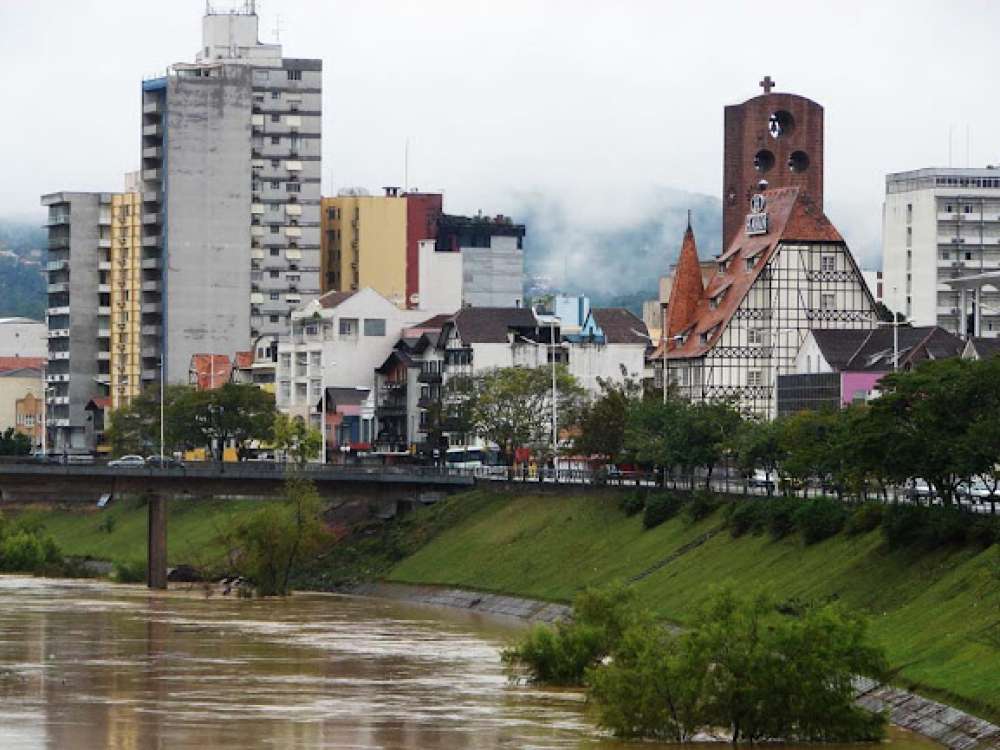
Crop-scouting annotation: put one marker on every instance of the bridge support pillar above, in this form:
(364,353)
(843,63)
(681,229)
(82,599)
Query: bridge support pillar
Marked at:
(156,562)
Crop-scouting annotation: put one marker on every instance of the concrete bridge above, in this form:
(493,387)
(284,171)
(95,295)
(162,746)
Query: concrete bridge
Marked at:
(387,486)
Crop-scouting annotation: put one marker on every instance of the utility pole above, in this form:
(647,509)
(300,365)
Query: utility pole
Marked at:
(555,396)
(162,411)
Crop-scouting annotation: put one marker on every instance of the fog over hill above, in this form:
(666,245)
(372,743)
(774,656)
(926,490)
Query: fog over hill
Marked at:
(614,251)
(22,269)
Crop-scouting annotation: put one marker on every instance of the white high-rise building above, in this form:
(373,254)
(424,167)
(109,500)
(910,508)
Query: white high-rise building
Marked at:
(938,225)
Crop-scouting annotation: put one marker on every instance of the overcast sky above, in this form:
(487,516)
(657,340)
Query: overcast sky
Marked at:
(595,101)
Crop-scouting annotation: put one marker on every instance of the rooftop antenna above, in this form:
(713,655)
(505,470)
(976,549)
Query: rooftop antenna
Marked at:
(406,165)
(277,27)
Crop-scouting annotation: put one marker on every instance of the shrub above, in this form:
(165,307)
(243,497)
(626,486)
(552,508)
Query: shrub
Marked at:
(905,524)
(984,531)
(864,518)
(748,516)
(107,524)
(781,516)
(22,552)
(632,503)
(562,655)
(701,505)
(819,518)
(130,571)
(659,508)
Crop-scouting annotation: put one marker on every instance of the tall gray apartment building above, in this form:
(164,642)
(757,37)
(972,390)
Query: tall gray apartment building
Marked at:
(210,248)
(231,192)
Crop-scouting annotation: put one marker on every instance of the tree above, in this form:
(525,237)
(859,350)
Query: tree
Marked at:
(512,406)
(193,419)
(272,542)
(807,442)
(135,428)
(708,429)
(602,422)
(759,445)
(654,432)
(13,443)
(234,413)
(296,438)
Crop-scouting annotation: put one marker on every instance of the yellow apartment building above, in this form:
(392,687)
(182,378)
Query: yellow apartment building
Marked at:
(125,277)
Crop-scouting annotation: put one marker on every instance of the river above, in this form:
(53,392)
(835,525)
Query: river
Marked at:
(87,665)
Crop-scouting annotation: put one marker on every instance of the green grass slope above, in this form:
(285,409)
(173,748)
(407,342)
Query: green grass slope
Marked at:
(193,530)
(937,614)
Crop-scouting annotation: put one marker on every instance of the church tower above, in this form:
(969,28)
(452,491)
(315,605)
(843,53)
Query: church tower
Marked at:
(774,137)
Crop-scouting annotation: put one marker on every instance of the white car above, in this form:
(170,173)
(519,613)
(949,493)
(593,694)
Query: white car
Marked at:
(977,490)
(130,461)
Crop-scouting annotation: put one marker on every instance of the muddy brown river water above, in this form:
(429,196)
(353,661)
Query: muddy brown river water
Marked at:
(87,665)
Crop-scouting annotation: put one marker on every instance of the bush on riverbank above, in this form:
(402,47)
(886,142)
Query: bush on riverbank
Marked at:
(659,507)
(742,665)
(26,548)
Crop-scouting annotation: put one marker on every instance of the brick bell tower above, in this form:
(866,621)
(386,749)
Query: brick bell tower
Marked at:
(774,137)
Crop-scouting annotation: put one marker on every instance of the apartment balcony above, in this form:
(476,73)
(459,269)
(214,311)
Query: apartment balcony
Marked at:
(429,376)
(152,107)
(151,218)
(153,175)
(53,311)
(155,130)
(390,410)
(59,243)
(152,240)
(104,356)
(104,310)
(59,219)
(62,377)
(57,265)
(57,422)
(103,333)
(150,352)
(58,356)
(152,152)
(59,333)
(104,288)
(152,308)
(58,400)
(151,286)
(103,378)
(148,330)
(60,288)
(151,264)
(104,265)
(104,242)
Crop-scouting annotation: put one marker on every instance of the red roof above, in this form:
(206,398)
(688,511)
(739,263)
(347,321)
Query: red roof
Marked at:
(210,371)
(244,360)
(102,403)
(10,364)
(687,289)
(332,299)
(791,218)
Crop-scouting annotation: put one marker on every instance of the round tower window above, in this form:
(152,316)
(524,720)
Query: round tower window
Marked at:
(780,124)
(763,161)
(798,161)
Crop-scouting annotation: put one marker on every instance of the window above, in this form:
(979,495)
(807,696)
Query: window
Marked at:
(755,337)
(945,255)
(374,326)
(314,388)
(275,94)
(275,251)
(275,163)
(293,106)
(286,361)
(348,326)
(755,377)
(275,139)
(331,214)
(827,301)
(315,359)
(827,262)
(275,295)
(750,263)
(293,187)
(949,208)
(294,75)
(968,256)
(909,212)
(285,390)
(909,236)
(274,228)
(274,318)
(967,208)
(275,118)
(274,274)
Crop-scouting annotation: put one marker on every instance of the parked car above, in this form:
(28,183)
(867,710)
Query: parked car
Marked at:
(76,458)
(44,458)
(129,461)
(918,489)
(761,479)
(167,462)
(975,491)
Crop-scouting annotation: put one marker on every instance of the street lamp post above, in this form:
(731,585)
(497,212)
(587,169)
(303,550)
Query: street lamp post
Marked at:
(162,411)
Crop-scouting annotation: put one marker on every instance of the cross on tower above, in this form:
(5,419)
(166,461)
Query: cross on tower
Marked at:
(767,84)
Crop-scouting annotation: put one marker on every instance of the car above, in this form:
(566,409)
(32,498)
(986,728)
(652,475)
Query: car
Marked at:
(126,462)
(918,489)
(976,490)
(166,462)
(44,458)
(762,479)
(76,458)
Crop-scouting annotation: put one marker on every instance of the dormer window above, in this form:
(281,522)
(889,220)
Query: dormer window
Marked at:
(751,262)
(715,301)
(723,265)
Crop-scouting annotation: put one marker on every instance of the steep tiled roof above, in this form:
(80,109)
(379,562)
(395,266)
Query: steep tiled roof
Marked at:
(859,350)
(791,218)
(332,299)
(13,364)
(209,371)
(436,322)
(687,288)
(985,347)
(620,326)
(244,360)
(489,325)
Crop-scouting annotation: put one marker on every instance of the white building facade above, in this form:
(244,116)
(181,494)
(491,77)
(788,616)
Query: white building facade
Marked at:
(937,225)
(788,273)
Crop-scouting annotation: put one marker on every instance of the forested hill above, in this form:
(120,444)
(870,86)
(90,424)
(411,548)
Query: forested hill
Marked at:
(22,269)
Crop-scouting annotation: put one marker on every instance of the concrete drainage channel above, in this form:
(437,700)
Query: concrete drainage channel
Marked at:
(954,729)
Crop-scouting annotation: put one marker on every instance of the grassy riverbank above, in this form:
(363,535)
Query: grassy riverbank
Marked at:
(937,613)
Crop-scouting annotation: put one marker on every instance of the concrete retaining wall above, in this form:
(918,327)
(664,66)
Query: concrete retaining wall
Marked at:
(494,604)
